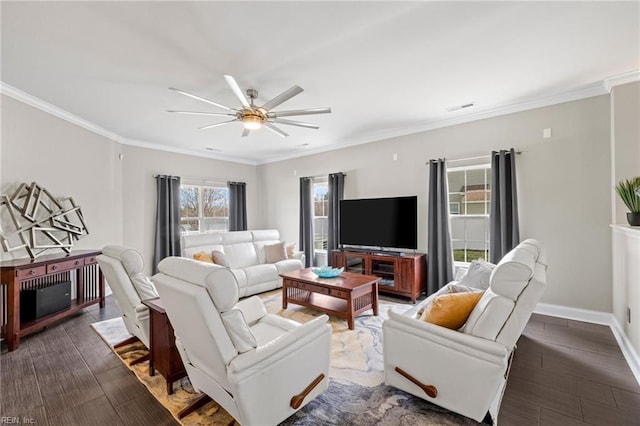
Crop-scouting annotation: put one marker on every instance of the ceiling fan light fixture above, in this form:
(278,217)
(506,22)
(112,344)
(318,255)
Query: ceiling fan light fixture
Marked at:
(252,121)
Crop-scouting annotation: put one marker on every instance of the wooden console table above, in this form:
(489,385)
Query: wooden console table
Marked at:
(401,275)
(163,354)
(79,267)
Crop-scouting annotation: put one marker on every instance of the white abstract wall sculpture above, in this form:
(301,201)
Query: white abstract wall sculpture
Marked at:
(39,222)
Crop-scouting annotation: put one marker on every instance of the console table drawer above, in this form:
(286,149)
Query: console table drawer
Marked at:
(339,293)
(31,272)
(64,266)
(90,260)
(309,287)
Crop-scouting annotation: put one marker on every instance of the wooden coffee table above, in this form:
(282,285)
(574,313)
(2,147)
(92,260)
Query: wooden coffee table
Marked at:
(345,296)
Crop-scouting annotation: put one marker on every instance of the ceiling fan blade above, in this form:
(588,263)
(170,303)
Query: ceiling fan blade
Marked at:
(295,123)
(191,95)
(217,124)
(275,130)
(219,114)
(236,90)
(245,132)
(283,97)
(290,113)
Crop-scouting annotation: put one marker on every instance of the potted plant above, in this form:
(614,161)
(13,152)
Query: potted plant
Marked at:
(628,191)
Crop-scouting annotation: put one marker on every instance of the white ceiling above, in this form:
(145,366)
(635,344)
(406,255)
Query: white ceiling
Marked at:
(385,68)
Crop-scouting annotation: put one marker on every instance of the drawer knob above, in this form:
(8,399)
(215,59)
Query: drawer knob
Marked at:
(77,262)
(32,272)
(54,267)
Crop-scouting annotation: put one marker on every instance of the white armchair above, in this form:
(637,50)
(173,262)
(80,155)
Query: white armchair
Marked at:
(466,370)
(122,267)
(259,367)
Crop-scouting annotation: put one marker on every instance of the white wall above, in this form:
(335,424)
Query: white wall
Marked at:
(67,160)
(563,183)
(625,141)
(118,197)
(139,207)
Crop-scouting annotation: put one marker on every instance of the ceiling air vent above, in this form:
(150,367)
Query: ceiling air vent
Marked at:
(458,107)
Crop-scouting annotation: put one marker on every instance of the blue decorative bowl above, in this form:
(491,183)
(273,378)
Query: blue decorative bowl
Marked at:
(327,272)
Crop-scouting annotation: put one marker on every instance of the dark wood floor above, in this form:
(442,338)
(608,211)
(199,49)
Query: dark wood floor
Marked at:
(564,373)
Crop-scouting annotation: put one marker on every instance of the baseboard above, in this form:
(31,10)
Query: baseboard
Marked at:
(596,317)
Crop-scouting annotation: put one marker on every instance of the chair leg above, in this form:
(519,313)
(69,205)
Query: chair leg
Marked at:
(197,403)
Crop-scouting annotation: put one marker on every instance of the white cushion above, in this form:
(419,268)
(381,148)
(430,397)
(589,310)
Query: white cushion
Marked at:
(241,255)
(239,332)
(131,259)
(144,286)
(488,317)
(260,247)
(236,237)
(260,273)
(478,274)
(241,278)
(288,265)
(223,289)
(266,235)
(513,273)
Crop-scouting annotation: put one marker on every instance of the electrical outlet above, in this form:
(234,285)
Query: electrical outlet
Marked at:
(629,315)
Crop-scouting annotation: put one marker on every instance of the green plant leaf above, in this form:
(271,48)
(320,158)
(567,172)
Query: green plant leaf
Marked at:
(626,189)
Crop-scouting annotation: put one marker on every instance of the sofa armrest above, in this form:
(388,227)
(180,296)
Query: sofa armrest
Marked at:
(252,309)
(284,345)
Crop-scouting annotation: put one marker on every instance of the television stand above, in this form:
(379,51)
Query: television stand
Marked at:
(401,274)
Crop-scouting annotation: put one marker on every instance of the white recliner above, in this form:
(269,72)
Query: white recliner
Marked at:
(466,370)
(122,267)
(259,367)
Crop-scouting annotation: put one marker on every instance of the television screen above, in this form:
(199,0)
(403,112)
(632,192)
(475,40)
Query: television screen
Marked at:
(380,222)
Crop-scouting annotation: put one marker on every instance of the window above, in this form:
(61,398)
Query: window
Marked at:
(204,208)
(320,213)
(469,206)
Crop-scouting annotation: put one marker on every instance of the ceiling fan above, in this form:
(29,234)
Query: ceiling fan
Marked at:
(254,117)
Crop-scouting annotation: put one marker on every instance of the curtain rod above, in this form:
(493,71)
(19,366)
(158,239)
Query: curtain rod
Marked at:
(321,176)
(518,152)
(199,179)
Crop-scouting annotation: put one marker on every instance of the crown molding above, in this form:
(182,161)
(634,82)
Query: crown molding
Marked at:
(620,79)
(7,89)
(176,150)
(596,89)
(588,91)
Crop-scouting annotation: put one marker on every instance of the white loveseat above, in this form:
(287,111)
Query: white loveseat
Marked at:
(466,370)
(245,251)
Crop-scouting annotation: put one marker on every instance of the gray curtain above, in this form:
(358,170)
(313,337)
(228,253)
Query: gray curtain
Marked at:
(167,239)
(237,206)
(306,219)
(336,193)
(504,231)
(439,254)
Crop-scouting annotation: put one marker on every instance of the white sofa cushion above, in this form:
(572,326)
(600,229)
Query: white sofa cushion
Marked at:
(241,255)
(287,265)
(261,273)
(144,286)
(489,315)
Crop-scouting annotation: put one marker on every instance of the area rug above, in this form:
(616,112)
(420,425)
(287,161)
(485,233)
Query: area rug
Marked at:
(356,395)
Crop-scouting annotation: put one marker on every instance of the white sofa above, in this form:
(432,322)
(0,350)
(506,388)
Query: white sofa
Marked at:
(467,368)
(260,367)
(245,253)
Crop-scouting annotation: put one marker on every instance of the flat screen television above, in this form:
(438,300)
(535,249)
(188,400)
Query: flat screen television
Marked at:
(380,222)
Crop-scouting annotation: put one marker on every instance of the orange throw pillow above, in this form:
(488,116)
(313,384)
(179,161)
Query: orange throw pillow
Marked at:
(203,257)
(451,310)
